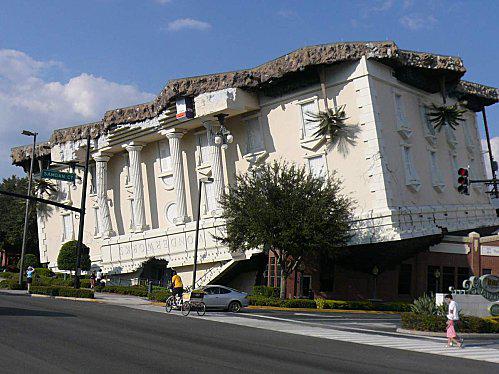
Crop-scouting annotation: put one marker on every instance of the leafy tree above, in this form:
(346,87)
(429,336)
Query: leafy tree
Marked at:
(283,209)
(66,260)
(29,260)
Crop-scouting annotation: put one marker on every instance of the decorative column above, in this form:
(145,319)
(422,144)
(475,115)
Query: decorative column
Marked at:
(178,174)
(105,227)
(216,166)
(138,190)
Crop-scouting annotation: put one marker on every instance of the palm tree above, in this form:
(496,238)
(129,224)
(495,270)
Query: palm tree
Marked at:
(441,116)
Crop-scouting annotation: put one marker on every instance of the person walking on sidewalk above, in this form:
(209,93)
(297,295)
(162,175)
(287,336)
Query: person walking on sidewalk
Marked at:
(98,277)
(30,271)
(93,277)
(452,321)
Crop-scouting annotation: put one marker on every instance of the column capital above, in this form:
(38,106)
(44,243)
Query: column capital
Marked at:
(101,157)
(133,146)
(173,133)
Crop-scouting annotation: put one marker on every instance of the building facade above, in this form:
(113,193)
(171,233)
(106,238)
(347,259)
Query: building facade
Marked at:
(147,161)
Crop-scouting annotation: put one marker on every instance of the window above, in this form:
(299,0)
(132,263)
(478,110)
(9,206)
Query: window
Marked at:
(405,279)
(436,176)
(432,281)
(448,278)
(223,290)
(308,126)
(209,198)
(254,138)
(451,137)
(97,224)
(428,127)
(203,149)
(486,271)
(93,179)
(127,168)
(317,166)
(132,215)
(411,176)
(402,124)
(67,221)
(468,139)
(462,275)
(164,156)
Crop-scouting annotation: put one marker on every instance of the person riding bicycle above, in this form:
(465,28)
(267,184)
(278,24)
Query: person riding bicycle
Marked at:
(177,286)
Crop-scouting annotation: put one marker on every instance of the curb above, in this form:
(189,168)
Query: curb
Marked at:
(310,310)
(68,298)
(443,335)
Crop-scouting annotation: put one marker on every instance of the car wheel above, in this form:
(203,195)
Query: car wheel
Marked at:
(235,306)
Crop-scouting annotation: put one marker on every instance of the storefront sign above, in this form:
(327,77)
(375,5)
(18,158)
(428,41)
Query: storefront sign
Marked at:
(489,250)
(486,285)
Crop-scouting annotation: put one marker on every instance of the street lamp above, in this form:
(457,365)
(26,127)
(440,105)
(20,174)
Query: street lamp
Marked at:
(222,137)
(196,241)
(30,179)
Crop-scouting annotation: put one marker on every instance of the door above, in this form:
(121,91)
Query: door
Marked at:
(224,297)
(211,297)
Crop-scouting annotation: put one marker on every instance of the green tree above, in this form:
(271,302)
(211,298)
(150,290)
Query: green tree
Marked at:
(281,208)
(66,260)
(29,260)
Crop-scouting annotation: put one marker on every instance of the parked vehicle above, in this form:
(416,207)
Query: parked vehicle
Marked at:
(226,298)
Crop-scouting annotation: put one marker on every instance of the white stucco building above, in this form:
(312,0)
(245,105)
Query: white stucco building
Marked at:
(146,163)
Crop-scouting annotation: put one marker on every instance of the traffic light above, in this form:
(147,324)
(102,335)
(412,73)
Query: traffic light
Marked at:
(463,181)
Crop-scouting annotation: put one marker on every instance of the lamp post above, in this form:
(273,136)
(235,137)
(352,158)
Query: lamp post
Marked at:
(437,280)
(222,137)
(26,214)
(196,240)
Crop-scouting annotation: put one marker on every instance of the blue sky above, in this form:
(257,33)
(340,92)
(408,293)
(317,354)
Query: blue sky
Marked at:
(65,62)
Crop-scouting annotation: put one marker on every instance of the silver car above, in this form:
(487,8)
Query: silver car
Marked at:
(221,297)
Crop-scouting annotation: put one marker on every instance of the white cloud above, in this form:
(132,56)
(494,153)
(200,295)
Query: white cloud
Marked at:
(163,2)
(417,21)
(28,101)
(494,145)
(384,5)
(188,23)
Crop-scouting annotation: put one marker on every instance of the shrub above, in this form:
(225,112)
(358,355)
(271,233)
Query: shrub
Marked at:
(437,323)
(62,291)
(66,260)
(124,290)
(44,272)
(8,275)
(362,305)
(12,284)
(299,303)
(265,291)
(29,260)
(264,301)
(159,295)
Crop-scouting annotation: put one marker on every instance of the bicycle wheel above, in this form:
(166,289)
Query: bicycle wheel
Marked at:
(169,304)
(186,308)
(201,309)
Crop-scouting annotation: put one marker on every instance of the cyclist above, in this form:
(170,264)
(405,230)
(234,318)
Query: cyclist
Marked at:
(177,286)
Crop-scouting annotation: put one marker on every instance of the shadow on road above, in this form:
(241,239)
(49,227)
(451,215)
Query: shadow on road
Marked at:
(6,311)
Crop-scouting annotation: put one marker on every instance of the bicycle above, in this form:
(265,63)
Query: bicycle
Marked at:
(173,302)
(188,305)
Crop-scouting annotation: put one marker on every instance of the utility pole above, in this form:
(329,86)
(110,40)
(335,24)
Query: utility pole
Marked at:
(79,244)
(491,156)
(26,214)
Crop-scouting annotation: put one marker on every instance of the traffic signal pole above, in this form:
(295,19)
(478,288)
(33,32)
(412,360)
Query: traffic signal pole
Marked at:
(79,244)
(491,156)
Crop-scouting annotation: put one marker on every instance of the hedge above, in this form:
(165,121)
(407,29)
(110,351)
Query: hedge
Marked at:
(160,296)
(44,272)
(8,275)
(62,291)
(467,324)
(265,291)
(12,284)
(124,290)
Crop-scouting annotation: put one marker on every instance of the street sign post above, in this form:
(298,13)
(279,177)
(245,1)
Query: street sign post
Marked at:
(59,175)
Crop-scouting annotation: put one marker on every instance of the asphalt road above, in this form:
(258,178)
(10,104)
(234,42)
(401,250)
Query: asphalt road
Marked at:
(60,336)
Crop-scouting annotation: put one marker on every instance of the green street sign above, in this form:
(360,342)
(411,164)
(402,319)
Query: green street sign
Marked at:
(55,174)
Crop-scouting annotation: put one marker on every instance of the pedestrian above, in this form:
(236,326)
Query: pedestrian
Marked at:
(452,321)
(93,277)
(30,271)
(98,277)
